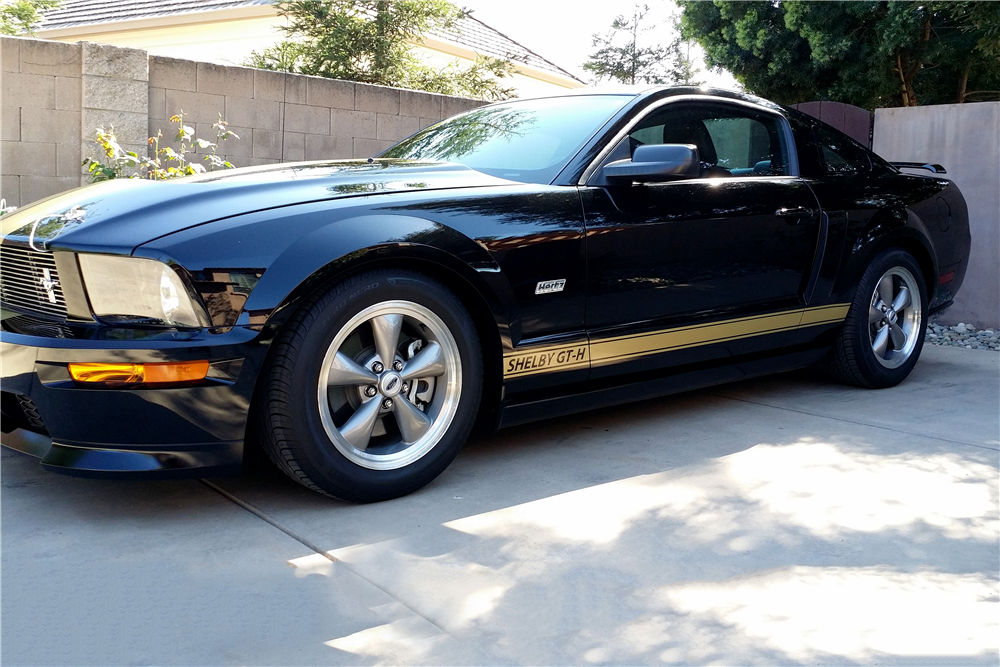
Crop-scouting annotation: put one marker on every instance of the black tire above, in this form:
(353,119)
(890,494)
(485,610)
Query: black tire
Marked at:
(365,440)
(879,344)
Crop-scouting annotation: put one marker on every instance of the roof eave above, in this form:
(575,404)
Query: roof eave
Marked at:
(162,21)
(445,46)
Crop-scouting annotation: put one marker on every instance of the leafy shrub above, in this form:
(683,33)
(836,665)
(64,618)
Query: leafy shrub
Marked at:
(165,162)
(21,17)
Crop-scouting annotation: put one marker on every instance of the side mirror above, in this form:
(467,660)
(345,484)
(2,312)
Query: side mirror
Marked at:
(656,162)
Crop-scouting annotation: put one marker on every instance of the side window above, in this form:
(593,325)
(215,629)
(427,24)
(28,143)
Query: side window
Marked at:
(840,154)
(647,135)
(743,145)
(731,141)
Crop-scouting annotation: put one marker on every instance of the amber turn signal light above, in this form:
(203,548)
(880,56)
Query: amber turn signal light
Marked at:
(187,371)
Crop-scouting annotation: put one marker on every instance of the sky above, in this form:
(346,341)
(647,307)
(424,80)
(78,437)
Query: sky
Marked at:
(560,30)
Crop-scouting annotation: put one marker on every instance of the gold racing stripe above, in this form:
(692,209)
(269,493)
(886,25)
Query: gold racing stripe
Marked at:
(607,351)
(824,315)
(613,350)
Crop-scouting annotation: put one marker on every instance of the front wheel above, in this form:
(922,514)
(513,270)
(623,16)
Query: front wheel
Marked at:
(373,387)
(884,330)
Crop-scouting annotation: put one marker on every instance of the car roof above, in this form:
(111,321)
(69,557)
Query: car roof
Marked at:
(639,91)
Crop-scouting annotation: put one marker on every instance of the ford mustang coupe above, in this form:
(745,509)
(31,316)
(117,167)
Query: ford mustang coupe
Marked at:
(525,259)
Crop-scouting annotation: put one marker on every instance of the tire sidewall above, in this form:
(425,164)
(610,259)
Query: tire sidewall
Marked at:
(877,375)
(321,458)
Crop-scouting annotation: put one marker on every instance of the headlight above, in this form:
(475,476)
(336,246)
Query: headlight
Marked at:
(131,290)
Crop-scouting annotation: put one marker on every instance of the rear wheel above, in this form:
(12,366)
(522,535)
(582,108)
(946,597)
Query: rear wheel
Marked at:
(884,331)
(373,387)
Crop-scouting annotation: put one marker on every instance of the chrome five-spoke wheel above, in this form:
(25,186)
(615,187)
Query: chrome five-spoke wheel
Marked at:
(894,317)
(373,386)
(389,385)
(883,334)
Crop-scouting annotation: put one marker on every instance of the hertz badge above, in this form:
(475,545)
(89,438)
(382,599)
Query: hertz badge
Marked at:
(550,286)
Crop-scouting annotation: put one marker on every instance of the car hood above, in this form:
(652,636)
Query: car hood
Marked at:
(119,215)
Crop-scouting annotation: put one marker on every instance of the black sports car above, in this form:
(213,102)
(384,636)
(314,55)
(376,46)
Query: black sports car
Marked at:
(525,259)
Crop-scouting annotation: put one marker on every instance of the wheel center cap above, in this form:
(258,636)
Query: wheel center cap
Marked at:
(890,316)
(390,384)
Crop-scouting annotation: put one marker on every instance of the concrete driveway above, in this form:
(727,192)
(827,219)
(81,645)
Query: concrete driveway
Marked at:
(777,521)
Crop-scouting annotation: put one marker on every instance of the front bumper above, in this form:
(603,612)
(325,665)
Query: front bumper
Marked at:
(178,431)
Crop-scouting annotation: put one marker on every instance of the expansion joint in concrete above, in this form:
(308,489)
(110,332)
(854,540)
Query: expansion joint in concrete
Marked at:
(314,547)
(274,522)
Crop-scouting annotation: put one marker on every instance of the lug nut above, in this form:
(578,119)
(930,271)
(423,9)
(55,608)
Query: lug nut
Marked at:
(370,391)
(387,404)
(406,388)
(397,366)
(378,367)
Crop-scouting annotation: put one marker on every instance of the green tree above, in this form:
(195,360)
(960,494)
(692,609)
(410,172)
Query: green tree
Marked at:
(19,17)
(682,69)
(370,41)
(620,58)
(871,54)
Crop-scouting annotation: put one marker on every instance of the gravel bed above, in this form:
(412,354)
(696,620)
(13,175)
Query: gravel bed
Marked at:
(963,335)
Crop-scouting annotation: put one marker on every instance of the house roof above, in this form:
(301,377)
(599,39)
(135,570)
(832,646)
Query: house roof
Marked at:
(77,13)
(473,34)
(469,32)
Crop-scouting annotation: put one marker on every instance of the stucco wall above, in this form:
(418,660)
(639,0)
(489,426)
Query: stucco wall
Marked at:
(54,96)
(965,139)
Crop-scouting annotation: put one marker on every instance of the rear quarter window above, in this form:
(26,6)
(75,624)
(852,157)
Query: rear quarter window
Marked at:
(839,153)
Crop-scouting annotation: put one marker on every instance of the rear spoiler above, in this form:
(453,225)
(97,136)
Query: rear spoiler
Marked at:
(934,168)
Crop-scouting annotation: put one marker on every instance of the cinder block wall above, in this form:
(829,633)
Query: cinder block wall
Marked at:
(40,109)
(965,139)
(55,95)
(286,117)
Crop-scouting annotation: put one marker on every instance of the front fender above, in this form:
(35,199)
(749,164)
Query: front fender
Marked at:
(365,240)
(295,250)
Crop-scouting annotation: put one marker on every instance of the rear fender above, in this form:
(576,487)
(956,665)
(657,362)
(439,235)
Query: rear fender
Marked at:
(894,227)
(945,219)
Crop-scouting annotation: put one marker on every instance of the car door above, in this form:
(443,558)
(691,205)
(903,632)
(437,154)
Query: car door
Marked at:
(703,267)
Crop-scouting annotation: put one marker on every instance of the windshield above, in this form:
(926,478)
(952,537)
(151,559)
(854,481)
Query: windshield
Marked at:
(528,140)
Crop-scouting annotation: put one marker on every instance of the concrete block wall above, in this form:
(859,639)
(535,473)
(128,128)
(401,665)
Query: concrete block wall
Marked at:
(40,108)
(288,117)
(55,95)
(113,94)
(965,139)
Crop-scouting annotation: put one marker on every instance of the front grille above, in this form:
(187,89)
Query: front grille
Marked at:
(30,412)
(29,281)
(36,326)
(20,412)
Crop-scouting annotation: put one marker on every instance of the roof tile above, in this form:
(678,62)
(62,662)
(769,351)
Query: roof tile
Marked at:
(469,32)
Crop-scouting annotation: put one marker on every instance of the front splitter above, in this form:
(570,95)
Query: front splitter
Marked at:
(215,459)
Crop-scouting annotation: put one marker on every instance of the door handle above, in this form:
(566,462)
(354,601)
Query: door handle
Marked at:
(794,212)
(793,215)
